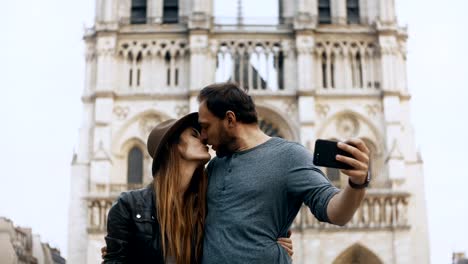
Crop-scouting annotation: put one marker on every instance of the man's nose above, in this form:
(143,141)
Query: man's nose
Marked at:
(203,137)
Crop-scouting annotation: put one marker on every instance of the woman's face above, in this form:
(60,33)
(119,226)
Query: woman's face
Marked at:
(191,147)
(191,150)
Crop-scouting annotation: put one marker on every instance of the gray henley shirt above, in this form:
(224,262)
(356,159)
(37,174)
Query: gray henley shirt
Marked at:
(253,197)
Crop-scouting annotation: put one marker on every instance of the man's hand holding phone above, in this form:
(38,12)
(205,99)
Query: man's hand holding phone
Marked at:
(351,156)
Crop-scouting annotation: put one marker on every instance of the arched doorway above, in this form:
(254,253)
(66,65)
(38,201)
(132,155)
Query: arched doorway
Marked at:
(274,124)
(269,128)
(357,254)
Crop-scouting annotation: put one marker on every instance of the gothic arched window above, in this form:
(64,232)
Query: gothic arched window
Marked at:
(357,71)
(171,11)
(352,7)
(324,70)
(324,11)
(138,12)
(135,166)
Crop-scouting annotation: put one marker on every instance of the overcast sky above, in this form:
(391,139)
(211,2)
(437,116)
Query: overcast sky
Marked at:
(41,77)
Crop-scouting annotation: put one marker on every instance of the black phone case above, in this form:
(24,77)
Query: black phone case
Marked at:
(325,154)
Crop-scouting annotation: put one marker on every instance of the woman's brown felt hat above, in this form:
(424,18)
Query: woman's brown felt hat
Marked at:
(161,133)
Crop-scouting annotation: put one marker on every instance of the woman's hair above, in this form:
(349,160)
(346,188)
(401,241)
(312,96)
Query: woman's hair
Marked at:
(181,217)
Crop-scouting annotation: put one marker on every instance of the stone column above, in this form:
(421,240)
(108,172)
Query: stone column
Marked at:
(289,10)
(304,46)
(290,66)
(200,17)
(387,12)
(90,68)
(394,157)
(306,103)
(388,47)
(77,219)
(392,107)
(99,10)
(338,11)
(105,64)
(347,69)
(106,15)
(364,12)
(200,54)
(155,11)
(306,86)
(101,163)
(306,15)
(104,103)
(109,11)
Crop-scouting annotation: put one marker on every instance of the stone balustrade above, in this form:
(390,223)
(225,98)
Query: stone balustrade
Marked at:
(380,209)
(100,202)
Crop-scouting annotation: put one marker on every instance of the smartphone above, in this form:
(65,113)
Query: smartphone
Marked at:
(325,152)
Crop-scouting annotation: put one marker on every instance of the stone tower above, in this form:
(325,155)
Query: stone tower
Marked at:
(331,69)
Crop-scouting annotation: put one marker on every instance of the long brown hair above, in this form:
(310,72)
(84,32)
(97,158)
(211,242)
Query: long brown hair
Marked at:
(181,217)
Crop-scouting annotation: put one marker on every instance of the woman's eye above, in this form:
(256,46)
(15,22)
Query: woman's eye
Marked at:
(195,133)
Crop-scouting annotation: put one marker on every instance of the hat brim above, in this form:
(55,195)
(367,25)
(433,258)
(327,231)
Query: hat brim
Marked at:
(189,120)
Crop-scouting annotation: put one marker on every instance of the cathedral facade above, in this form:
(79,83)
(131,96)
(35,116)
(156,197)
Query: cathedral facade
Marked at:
(331,69)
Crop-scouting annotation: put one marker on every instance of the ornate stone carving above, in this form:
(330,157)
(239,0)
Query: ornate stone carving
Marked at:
(105,46)
(359,55)
(199,20)
(147,124)
(290,106)
(305,45)
(373,109)
(347,126)
(199,44)
(121,112)
(90,53)
(146,48)
(101,153)
(181,110)
(322,110)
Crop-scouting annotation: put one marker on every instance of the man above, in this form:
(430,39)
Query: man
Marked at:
(257,183)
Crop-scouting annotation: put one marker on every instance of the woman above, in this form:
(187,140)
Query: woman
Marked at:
(163,223)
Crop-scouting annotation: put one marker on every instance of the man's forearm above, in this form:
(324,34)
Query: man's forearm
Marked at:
(344,204)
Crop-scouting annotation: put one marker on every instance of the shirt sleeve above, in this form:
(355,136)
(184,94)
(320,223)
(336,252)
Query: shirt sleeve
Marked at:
(118,231)
(308,183)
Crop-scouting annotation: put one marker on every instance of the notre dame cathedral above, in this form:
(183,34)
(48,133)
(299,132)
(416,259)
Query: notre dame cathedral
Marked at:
(318,69)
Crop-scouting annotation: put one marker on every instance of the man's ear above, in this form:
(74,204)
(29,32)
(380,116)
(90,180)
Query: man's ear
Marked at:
(231,118)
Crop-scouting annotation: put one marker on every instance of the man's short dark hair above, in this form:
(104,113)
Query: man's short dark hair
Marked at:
(223,97)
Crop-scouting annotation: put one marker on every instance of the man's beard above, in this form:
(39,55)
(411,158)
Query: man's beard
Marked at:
(226,145)
(223,151)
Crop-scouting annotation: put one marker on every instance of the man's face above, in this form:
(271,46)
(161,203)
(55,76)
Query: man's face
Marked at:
(213,130)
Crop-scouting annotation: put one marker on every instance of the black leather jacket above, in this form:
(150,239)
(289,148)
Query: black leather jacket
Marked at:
(133,234)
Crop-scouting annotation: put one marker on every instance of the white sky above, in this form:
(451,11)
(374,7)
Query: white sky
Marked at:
(41,77)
